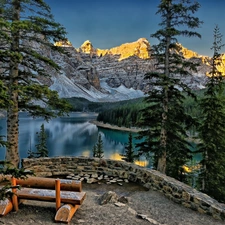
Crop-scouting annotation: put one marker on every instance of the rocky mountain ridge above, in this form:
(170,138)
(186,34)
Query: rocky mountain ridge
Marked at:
(114,74)
(139,48)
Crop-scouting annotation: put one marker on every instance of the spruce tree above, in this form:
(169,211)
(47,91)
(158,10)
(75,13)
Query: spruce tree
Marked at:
(129,155)
(28,28)
(42,150)
(98,148)
(4,102)
(212,127)
(165,117)
(94,151)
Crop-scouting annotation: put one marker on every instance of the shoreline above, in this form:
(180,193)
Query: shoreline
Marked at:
(114,127)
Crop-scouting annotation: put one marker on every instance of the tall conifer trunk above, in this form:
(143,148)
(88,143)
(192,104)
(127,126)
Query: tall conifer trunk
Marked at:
(12,153)
(163,134)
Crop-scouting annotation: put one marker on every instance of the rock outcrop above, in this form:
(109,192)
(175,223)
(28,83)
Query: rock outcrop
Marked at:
(187,53)
(221,65)
(64,43)
(139,48)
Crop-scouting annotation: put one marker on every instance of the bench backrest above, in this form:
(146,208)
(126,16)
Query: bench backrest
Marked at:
(49,183)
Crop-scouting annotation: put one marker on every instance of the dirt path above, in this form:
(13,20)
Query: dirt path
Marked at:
(155,207)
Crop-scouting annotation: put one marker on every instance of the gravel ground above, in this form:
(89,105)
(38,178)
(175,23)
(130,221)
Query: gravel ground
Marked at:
(153,206)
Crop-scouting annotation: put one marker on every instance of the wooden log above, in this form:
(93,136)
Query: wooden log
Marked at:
(14,196)
(65,213)
(5,206)
(75,198)
(57,194)
(49,183)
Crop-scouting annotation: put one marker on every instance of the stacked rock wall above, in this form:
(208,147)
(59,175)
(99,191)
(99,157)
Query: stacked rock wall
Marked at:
(152,179)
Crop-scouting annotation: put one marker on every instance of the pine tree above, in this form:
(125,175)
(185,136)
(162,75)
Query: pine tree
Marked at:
(28,27)
(129,155)
(4,102)
(99,152)
(212,128)
(165,117)
(94,151)
(42,150)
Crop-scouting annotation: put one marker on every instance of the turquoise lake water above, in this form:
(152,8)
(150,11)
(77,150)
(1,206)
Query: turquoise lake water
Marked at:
(74,135)
(69,136)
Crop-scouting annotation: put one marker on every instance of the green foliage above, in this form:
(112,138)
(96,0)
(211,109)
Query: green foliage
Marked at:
(129,155)
(41,147)
(42,150)
(212,128)
(6,168)
(126,114)
(27,26)
(98,151)
(4,102)
(94,151)
(82,104)
(164,116)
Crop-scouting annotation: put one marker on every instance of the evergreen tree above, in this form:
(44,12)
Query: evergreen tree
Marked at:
(98,148)
(28,28)
(42,150)
(4,102)
(212,128)
(94,151)
(31,154)
(165,116)
(129,155)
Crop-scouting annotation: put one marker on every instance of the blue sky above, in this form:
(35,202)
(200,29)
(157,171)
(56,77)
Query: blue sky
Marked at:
(110,23)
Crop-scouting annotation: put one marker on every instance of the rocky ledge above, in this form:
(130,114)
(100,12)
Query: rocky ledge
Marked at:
(93,169)
(96,178)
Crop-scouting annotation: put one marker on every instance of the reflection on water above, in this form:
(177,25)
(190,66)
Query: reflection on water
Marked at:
(141,162)
(69,136)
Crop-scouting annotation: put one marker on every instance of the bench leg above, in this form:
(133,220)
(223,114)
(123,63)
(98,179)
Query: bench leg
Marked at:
(5,206)
(14,196)
(57,194)
(65,213)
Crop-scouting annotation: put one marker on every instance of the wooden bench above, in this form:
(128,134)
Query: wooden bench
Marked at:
(51,190)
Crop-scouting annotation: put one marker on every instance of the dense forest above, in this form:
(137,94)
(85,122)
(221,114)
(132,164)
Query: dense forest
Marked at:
(128,113)
(84,105)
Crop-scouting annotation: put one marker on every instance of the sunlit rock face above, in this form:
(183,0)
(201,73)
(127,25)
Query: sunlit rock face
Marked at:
(187,53)
(205,60)
(139,48)
(221,65)
(87,47)
(65,43)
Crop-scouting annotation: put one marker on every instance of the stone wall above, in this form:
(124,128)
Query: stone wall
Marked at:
(171,188)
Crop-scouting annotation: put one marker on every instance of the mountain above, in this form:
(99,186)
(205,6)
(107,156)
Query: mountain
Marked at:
(140,48)
(114,74)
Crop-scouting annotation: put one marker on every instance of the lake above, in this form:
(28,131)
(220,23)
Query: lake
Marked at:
(69,136)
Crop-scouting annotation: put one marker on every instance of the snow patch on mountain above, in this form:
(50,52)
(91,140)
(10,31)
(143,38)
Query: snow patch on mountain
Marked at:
(121,93)
(67,89)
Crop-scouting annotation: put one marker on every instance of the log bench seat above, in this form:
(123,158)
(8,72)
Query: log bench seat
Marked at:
(70,197)
(66,194)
